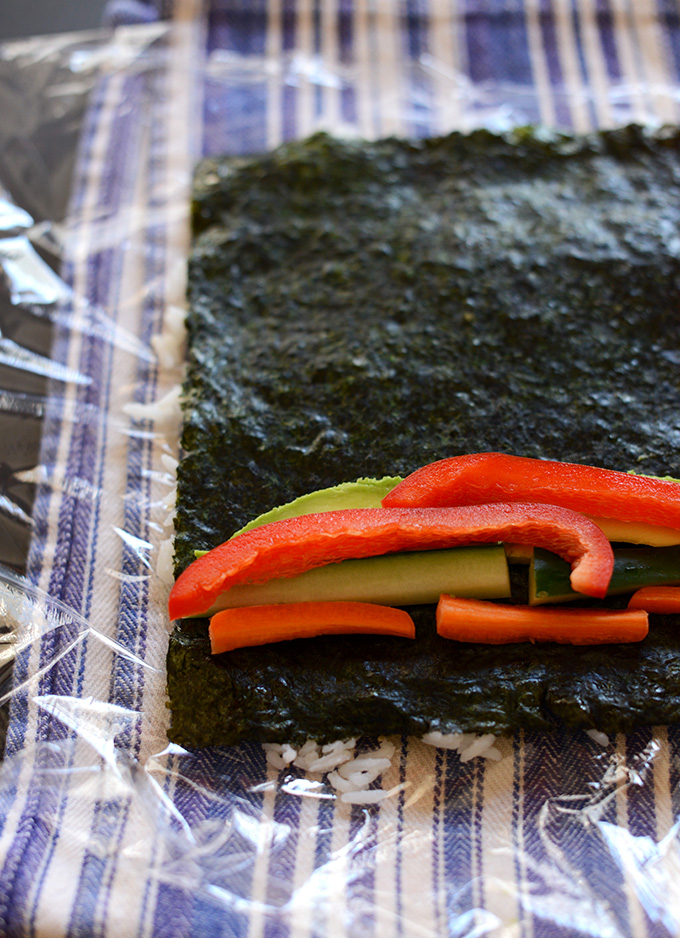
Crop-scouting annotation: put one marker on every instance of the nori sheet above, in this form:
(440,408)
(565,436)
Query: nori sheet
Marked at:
(359,309)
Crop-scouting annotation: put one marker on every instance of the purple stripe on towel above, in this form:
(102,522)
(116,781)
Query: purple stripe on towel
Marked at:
(583,65)
(415,23)
(420,117)
(499,56)
(106,823)
(282,863)
(361,895)
(52,422)
(238,26)
(641,747)
(289,93)
(213,795)
(322,856)
(289,24)
(318,88)
(235,108)
(438,837)
(45,805)
(458,833)
(128,678)
(566,797)
(235,118)
(344,26)
(517,828)
(669,18)
(345,31)
(554,65)
(400,885)
(607,33)
(674,768)
(289,125)
(29,855)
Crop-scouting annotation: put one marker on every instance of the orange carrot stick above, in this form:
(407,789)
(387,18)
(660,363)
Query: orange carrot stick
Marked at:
(260,625)
(474,620)
(660,599)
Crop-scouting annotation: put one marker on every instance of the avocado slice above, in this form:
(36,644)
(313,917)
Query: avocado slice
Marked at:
(364,493)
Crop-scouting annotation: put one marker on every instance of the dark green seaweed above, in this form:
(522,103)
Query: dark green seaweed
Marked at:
(339,687)
(359,309)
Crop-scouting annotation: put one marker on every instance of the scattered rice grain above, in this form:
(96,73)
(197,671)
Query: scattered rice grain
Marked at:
(443,740)
(279,755)
(165,413)
(170,464)
(339,744)
(477,747)
(331,761)
(492,753)
(351,774)
(164,561)
(169,344)
(467,745)
(370,796)
(364,765)
(340,783)
(598,737)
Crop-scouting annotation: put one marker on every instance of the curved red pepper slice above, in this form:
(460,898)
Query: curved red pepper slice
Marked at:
(287,548)
(498,477)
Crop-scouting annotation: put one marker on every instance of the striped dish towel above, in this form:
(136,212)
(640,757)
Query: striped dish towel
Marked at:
(105,828)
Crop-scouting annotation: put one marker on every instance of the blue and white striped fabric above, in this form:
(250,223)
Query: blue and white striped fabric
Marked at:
(105,829)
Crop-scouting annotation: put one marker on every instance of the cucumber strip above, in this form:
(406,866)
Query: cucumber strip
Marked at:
(637,532)
(634,567)
(402,579)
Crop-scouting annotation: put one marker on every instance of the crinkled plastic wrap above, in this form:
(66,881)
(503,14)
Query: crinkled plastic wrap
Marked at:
(105,827)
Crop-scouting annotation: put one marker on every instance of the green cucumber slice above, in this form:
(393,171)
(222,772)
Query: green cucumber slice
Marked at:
(634,567)
(403,579)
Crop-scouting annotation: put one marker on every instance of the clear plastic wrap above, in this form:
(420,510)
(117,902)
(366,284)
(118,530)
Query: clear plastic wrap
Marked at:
(105,827)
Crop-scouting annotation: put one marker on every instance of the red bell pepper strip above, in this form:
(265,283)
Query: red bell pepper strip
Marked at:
(289,547)
(498,477)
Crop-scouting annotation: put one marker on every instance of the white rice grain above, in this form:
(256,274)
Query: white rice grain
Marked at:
(331,755)
(364,765)
(164,561)
(598,737)
(370,796)
(351,775)
(339,744)
(492,753)
(477,747)
(339,783)
(467,745)
(330,761)
(165,413)
(279,755)
(170,464)
(443,740)
(168,345)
